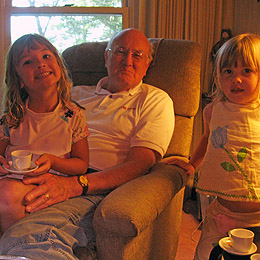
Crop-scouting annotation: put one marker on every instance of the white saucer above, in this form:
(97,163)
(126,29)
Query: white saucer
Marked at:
(13,170)
(225,244)
(6,257)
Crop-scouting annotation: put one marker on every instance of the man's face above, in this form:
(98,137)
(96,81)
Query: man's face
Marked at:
(127,61)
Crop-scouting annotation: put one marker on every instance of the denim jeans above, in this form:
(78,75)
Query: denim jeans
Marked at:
(52,233)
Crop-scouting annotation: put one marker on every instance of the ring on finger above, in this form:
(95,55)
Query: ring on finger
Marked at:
(47,195)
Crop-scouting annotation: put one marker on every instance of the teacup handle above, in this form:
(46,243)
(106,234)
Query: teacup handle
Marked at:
(17,164)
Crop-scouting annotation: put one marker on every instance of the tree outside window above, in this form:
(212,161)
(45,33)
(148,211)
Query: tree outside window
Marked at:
(67,29)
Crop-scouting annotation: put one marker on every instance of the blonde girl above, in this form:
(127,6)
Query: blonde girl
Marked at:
(38,116)
(229,150)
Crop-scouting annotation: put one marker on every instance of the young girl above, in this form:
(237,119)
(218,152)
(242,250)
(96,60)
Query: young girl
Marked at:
(38,116)
(229,150)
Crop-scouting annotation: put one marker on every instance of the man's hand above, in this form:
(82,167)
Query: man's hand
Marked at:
(50,189)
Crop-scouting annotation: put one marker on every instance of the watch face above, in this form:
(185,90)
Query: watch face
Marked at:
(83,180)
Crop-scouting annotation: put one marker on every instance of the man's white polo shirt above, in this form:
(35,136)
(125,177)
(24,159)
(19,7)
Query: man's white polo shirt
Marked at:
(142,116)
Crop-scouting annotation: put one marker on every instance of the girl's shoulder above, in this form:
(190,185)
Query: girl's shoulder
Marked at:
(74,106)
(207,111)
(72,112)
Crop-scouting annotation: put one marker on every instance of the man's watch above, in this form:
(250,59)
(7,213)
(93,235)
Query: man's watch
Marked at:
(83,181)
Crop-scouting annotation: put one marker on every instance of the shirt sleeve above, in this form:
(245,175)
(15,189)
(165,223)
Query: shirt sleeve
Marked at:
(79,125)
(4,133)
(156,123)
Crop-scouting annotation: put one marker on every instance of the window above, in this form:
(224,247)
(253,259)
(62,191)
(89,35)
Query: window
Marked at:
(66,22)
(63,22)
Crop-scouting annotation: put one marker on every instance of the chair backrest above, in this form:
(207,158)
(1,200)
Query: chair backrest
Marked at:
(175,69)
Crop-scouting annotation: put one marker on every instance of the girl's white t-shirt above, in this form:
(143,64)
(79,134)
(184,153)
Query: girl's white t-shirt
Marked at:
(52,132)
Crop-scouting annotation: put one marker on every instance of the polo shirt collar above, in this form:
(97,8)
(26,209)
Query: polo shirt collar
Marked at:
(102,91)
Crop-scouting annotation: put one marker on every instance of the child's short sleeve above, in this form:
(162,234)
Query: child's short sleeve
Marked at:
(79,125)
(4,133)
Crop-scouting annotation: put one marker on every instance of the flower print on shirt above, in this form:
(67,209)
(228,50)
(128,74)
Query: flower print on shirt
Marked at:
(219,139)
(67,114)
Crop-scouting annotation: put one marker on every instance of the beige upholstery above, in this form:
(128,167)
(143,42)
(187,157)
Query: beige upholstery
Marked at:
(141,219)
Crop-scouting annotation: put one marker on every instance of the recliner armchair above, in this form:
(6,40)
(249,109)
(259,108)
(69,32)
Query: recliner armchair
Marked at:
(141,219)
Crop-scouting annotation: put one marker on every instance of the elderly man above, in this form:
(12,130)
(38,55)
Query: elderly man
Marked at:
(130,125)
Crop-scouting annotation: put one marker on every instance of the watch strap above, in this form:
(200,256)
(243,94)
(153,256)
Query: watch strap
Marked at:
(84,184)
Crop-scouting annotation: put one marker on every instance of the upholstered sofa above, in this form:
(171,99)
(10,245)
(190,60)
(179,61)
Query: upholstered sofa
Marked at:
(141,219)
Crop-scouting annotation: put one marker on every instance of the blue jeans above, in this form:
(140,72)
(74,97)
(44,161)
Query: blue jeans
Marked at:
(52,233)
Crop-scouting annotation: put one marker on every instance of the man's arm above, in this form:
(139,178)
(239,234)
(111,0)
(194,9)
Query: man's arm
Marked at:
(138,162)
(60,188)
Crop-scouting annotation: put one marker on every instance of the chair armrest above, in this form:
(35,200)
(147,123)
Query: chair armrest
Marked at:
(130,208)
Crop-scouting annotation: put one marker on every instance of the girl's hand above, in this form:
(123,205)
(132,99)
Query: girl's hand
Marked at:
(187,166)
(3,162)
(45,162)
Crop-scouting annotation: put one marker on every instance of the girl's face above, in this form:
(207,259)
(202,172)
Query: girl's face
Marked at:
(38,70)
(239,83)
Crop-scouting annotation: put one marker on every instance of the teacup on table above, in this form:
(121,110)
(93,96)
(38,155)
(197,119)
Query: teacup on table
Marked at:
(241,239)
(21,160)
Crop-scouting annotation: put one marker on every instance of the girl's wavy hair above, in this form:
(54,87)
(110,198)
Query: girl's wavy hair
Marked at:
(245,47)
(15,96)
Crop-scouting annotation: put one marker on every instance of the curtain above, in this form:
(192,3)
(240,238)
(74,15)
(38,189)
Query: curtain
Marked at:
(197,20)
(2,45)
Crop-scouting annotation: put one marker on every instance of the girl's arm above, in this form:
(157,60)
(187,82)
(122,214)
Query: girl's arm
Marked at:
(76,165)
(201,148)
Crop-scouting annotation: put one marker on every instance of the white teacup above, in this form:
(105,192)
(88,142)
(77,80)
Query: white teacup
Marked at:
(21,159)
(255,257)
(241,239)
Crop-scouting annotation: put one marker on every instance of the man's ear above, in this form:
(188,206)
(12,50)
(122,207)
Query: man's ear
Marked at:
(149,63)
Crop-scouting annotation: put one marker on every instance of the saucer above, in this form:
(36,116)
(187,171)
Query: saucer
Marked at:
(13,170)
(225,244)
(6,257)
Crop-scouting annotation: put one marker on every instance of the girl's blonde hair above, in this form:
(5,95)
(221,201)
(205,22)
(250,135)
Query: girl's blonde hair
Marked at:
(245,47)
(15,96)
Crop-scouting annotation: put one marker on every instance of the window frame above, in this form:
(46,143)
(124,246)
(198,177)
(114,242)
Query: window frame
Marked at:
(7,10)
